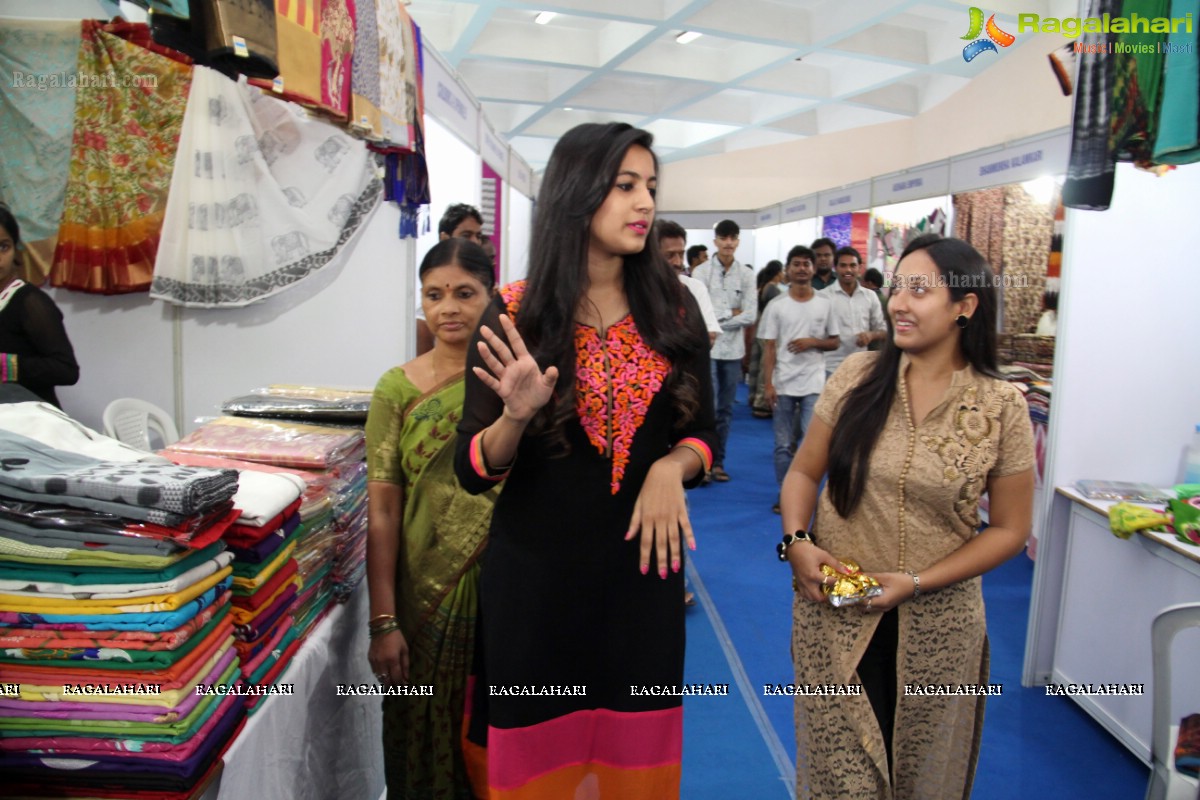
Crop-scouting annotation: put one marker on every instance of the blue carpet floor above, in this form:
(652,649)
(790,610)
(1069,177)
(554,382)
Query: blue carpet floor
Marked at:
(744,745)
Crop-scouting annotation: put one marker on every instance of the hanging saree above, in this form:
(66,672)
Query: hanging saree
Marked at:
(262,197)
(35,131)
(411,439)
(126,131)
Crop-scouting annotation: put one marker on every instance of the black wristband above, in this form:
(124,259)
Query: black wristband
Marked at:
(790,539)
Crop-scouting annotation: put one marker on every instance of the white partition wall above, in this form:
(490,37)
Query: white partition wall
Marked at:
(342,327)
(1126,383)
(519,232)
(454,177)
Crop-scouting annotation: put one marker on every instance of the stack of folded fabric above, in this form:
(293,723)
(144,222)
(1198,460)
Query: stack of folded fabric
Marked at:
(115,605)
(334,455)
(316,537)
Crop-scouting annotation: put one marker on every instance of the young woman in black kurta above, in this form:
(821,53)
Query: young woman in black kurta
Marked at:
(34,349)
(595,430)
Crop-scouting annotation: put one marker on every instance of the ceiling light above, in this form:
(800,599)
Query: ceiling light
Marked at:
(568,108)
(688,36)
(544,17)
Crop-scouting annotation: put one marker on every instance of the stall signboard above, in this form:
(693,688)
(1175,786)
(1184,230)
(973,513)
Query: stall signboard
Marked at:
(766,217)
(1012,164)
(520,175)
(799,208)
(856,197)
(492,148)
(914,184)
(450,102)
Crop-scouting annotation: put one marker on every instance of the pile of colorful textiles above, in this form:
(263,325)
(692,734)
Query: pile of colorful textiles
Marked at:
(115,607)
(330,550)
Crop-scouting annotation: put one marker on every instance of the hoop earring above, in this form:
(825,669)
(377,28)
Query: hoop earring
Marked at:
(961,321)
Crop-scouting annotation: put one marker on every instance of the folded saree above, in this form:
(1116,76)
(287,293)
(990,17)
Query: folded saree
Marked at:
(67,576)
(248,578)
(32,517)
(73,711)
(246,608)
(70,478)
(15,551)
(279,443)
(173,731)
(292,532)
(262,626)
(119,664)
(128,770)
(272,646)
(149,621)
(68,644)
(173,689)
(80,745)
(170,677)
(250,535)
(103,591)
(171,601)
(270,672)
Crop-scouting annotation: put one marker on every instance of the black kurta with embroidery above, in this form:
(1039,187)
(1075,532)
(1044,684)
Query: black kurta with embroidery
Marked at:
(563,601)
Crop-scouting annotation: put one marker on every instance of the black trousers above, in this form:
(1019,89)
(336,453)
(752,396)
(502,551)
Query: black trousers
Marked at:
(877,671)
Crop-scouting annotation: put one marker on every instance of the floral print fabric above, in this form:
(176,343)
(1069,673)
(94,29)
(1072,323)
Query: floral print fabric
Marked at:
(123,152)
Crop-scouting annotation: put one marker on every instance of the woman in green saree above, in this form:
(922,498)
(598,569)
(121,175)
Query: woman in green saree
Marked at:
(425,537)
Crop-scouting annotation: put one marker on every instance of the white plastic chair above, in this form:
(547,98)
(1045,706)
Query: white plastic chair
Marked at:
(130,420)
(1167,783)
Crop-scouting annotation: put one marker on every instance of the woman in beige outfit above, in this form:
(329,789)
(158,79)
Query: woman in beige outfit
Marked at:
(910,438)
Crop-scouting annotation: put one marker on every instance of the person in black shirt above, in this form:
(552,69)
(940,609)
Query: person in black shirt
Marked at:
(34,349)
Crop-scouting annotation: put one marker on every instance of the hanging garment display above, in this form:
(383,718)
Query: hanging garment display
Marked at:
(238,36)
(1178,139)
(1028,232)
(262,197)
(1091,167)
(385,80)
(315,45)
(38,59)
(122,155)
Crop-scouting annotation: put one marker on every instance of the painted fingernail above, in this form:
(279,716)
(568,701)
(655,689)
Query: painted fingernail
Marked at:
(691,545)
(645,569)
(675,565)
(628,536)
(662,573)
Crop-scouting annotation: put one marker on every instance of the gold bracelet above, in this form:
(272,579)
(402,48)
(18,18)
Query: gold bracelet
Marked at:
(383,629)
(378,617)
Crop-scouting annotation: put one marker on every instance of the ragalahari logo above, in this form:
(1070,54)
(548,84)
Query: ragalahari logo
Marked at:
(995,36)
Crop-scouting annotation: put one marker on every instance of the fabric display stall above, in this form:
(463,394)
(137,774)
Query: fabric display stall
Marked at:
(332,541)
(115,605)
(1014,233)
(889,235)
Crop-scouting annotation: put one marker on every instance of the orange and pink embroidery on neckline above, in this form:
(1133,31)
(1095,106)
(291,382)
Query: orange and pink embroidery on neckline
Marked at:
(620,365)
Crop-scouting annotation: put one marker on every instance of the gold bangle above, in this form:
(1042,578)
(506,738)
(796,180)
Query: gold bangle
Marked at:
(378,617)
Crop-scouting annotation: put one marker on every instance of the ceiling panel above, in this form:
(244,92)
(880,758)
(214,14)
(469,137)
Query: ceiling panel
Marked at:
(762,72)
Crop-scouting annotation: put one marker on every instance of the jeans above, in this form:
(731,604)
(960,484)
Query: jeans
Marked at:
(725,374)
(791,418)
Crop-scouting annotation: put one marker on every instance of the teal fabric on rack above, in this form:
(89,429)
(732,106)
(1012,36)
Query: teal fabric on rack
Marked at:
(1179,113)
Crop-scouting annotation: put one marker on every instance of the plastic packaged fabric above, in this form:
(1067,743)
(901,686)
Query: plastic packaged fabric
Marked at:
(285,444)
(285,401)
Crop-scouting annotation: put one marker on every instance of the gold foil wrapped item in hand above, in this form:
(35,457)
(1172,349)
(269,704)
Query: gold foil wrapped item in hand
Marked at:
(848,590)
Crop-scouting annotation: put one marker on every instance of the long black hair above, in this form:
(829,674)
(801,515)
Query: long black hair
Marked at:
(578,178)
(866,407)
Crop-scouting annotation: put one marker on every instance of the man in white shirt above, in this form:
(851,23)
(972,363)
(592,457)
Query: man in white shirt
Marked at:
(797,329)
(859,315)
(672,240)
(735,300)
